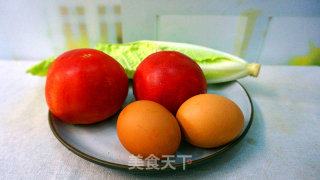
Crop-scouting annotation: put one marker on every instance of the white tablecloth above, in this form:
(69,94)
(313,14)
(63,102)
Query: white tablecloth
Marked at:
(283,142)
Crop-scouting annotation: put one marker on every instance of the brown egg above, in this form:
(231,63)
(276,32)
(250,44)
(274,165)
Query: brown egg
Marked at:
(145,128)
(209,120)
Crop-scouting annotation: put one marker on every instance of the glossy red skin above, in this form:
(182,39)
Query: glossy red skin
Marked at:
(85,86)
(168,78)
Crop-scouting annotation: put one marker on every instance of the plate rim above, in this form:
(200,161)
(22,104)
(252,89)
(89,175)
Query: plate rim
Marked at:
(177,166)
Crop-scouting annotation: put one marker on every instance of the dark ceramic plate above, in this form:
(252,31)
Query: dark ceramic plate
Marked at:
(99,142)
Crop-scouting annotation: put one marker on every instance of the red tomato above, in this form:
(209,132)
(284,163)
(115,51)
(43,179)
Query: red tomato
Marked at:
(85,86)
(168,78)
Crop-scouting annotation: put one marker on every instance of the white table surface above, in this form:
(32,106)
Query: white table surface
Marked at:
(283,142)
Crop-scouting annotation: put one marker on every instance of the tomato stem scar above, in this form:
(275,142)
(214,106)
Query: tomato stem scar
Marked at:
(86,55)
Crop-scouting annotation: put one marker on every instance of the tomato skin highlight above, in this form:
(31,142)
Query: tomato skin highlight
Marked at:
(168,78)
(85,86)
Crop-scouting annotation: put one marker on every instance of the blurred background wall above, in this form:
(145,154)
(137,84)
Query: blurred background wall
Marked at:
(269,32)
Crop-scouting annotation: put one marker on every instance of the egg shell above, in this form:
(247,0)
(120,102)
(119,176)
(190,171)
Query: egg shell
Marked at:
(209,120)
(145,128)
